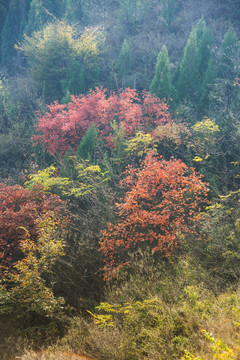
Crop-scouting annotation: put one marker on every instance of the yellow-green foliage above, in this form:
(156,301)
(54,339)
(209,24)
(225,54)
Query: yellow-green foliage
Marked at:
(206,127)
(198,159)
(166,321)
(89,44)
(138,144)
(220,350)
(148,311)
(47,178)
(28,290)
(189,356)
(141,324)
(88,179)
(204,136)
(129,150)
(58,54)
(171,133)
(60,40)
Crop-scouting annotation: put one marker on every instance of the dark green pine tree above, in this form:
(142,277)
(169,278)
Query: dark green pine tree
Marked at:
(161,84)
(87,147)
(15,19)
(194,64)
(225,96)
(208,81)
(205,41)
(74,81)
(3,11)
(169,10)
(43,11)
(124,61)
(230,47)
(187,75)
(73,10)
(131,14)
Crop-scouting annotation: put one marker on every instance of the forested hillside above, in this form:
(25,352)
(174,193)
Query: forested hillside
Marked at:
(119,179)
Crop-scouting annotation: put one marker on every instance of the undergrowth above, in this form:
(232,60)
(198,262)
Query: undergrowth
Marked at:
(160,313)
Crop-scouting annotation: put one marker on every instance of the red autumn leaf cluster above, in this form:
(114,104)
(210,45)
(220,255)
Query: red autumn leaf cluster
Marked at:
(163,202)
(19,208)
(63,126)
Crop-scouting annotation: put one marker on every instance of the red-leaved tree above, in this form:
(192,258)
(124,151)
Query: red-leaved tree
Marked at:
(20,208)
(163,203)
(63,126)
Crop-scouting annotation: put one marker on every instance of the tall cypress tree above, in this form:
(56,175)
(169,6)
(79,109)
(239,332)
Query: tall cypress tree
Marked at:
(3,10)
(41,12)
(74,81)
(192,68)
(188,79)
(169,10)
(230,46)
(208,81)
(124,61)
(131,14)
(225,95)
(13,27)
(161,83)
(205,41)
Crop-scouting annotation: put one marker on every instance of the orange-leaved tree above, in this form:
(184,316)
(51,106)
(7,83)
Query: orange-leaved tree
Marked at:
(162,203)
(63,126)
(21,208)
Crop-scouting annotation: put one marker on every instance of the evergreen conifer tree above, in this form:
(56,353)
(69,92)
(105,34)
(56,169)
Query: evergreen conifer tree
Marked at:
(124,61)
(188,75)
(194,63)
(73,10)
(41,12)
(161,83)
(74,81)
(230,46)
(87,146)
(169,10)
(225,95)
(131,13)
(13,26)
(3,10)
(208,81)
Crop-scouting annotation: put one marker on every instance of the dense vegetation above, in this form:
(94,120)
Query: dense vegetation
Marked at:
(119,179)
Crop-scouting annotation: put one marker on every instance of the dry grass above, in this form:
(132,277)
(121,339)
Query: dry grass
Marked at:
(52,355)
(89,340)
(187,308)
(192,309)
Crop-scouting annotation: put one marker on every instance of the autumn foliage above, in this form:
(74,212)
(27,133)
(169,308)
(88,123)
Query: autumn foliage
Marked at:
(63,126)
(163,202)
(21,208)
